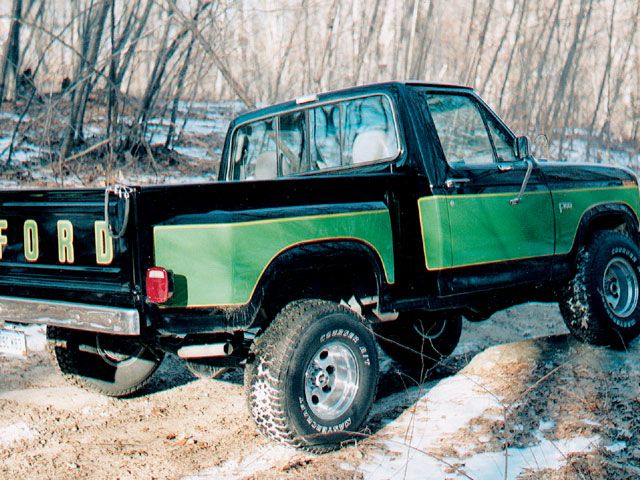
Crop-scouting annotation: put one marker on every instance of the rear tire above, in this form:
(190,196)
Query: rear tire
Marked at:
(600,305)
(418,341)
(113,365)
(314,377)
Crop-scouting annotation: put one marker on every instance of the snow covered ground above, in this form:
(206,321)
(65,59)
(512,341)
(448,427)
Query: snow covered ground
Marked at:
(546,407)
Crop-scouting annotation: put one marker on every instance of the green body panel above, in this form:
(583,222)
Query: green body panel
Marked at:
(436,235)
(221,264)
(581,200)
(464,230)
(486,228)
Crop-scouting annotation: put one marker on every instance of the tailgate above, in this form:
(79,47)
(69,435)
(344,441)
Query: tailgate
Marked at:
(56,245)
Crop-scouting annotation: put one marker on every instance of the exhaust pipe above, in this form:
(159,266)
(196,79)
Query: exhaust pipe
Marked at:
(206,351)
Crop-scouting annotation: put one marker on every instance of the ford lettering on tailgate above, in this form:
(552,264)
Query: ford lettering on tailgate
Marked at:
(24,241)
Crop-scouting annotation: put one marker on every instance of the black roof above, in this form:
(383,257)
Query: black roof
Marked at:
(334,94)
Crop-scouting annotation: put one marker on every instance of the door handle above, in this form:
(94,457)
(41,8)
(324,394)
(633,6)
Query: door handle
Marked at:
(504,167)
(451,182)
(518,199)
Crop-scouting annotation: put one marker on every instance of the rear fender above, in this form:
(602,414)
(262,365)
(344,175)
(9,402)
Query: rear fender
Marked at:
(331,270)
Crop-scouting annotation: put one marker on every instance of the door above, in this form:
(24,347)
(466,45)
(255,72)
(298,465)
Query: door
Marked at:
(490,221)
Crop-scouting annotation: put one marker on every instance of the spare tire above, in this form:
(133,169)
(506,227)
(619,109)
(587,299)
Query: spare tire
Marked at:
(113,365)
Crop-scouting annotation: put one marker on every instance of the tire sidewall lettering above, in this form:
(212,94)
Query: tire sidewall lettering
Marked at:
(330,329)
(616,251)
(350,336)
(608,254)
(308,416)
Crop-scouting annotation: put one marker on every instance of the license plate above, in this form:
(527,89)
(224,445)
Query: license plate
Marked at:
(13,343)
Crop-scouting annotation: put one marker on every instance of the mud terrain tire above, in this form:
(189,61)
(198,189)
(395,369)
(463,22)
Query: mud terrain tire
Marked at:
(600,305)
(418,341)
(314,376)
(108,364)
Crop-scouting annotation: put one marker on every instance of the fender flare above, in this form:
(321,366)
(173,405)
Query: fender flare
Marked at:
(602,214)
(307,257)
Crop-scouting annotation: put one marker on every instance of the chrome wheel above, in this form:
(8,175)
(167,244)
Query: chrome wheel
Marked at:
(331,380)
(116,352)
(620,288)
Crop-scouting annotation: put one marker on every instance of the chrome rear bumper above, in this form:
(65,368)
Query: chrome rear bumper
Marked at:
(77,316)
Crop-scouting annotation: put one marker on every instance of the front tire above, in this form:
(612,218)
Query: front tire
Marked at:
(418,341)
(601,303)
(314,377)
(112,365)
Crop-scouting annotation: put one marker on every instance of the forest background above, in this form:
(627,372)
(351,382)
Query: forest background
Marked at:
(108,84)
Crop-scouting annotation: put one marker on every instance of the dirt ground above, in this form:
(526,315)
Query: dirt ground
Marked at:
(519,398)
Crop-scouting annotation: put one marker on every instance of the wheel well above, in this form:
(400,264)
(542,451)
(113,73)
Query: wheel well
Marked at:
(618,220)
(605,217)
(330,271)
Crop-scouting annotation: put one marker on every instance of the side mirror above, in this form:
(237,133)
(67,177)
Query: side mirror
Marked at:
(522,147)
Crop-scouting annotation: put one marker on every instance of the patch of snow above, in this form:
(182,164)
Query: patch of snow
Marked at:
(463,348)
(546,425)
(443,410)
(546,454)
(593,423)
(194,152)
(582,150)
(384,361)
(94,130)
(13,116)
(260,459)
(158,127)
(418,444)
(616,447)
(232,106)
(24,152)
(15,432)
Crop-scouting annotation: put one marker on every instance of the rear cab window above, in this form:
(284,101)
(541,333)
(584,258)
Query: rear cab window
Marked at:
(335,135)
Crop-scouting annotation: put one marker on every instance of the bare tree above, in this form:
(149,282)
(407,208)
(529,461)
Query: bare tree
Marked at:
(564,67)
(85,76)
(11,56)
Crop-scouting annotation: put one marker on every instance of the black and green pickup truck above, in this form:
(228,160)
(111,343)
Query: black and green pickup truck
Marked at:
(373,215)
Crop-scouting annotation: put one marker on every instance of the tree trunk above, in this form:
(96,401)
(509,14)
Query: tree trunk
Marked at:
(511,55)
(11,57)
(83,83)
(182,75)
(235,85)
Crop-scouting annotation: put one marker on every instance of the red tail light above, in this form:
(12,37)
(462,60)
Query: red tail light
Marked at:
(158,285)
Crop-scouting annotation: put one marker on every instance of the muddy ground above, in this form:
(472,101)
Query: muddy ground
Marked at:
(560,409)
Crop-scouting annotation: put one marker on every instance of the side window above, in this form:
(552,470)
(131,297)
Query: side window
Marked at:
(254,151)
(369,131)
(461,130)
(339,134)
(502,142)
